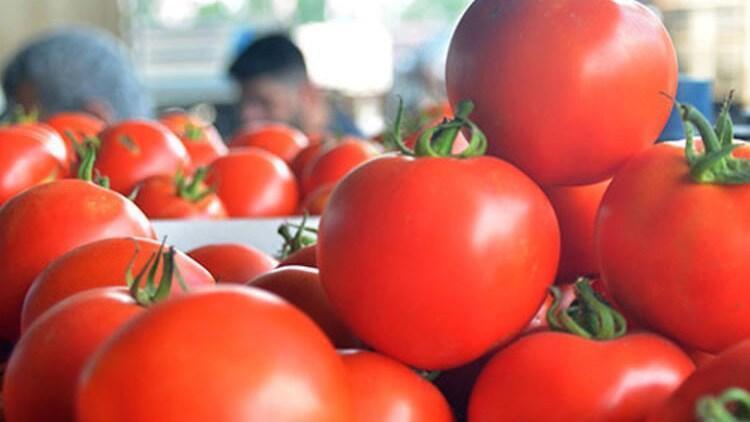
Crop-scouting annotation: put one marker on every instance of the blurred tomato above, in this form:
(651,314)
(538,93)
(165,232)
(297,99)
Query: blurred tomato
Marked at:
(233,262)
(200,138)
(282,140)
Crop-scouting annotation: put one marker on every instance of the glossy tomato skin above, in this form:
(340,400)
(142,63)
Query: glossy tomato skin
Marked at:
(563,377)
(405,240)
(301,287)
(24,162)
(45,222)
(247,348)
(315,202)
(77,125)
(200,138)
(305,157)
(157,197)
(728,369)
(233,262)
(134,150)
(102,264)
(307,257)
(538,71)
(333,163)
(252,182)
(42,374)
(689,243)
(277,138)
(50,140)
(384,390)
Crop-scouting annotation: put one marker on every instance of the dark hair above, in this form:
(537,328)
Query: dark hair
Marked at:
(272,55)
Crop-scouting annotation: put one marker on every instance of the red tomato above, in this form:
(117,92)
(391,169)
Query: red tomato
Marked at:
(45,222)
(24,162)
(553,90)
(173,197)
(673,251)
(101,264)
(248,356)
(384,390)
(51,141)
(134,150)
(563,377)
(233,262)
(252,182)
(301,287)
(277,138)
(200,138)
(305,257)
(304,158)
(333,164)
(700,358)
(42,373)
(74,126)
(315,202)
(576,207)
(421,256)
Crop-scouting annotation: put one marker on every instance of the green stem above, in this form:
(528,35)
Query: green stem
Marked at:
(304,236)
(86,168)
(193,132)
(589,316)
(730,406)
(193,189)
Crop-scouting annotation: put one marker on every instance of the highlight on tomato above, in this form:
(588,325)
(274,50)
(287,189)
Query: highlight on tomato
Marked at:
(279,139)
(200,138)
(235,263)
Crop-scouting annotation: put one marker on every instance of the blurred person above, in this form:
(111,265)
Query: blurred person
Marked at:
(75,69)
(274,86)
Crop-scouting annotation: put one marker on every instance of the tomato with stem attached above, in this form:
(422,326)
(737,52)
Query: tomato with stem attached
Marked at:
(200,138)
(75,127)
(179,197)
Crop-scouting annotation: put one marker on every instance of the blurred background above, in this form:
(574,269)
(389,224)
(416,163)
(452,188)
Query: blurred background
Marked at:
(360,52)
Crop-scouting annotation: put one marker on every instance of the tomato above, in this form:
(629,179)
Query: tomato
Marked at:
(252,182)
(687,236)
(435,260)
(41,376)
(75,126)
(315,202)
(178,198)
(729,369)
(305,157)
(24,162)
(52,142)
(233,262)
(101,264)
(553,90)
(385,390)
(45,222)
(576,207)
(305,257)
(277,138)
(334,163)
(301,287)
(200,138)
(248,356)
(134,150)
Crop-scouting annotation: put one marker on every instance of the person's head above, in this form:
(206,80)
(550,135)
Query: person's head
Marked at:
(274,84)
(75,69)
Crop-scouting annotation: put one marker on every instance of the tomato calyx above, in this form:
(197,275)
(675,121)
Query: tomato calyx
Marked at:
(151,293)
(438,141)
(304,236)
(86,168)
(192,132)
(21,116)
(716,165)
(588,316)
(731,405)
(192,189)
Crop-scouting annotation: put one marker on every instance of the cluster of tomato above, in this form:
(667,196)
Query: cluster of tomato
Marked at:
(441,283)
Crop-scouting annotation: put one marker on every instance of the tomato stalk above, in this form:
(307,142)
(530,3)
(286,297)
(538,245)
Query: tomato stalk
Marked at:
(304,236)
(151,293)
(21,116)
(589,316)
(193,132)
(193,189)
(716,164)
(86,168)
(730,406)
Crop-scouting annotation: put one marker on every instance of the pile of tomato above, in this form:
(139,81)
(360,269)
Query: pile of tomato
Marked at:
(528,253)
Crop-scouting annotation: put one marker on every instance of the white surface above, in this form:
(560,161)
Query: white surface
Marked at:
(259,233)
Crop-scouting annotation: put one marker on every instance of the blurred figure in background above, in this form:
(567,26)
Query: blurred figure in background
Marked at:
(274,86)
(75,69)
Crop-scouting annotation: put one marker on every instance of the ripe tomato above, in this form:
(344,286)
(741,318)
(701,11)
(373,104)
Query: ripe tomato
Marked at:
(277,138)
(729,369)
(305,157)
(200,138)
(576,207)
(252,182)
(101,264)
(42,374)
(165,196)
(301,287)
(553,89)
(75,126)
(233,262)
(421,257)
(305,257)
(247,355)
(315,202)
(334,163)
(24,162)
(134,150)
(45,222)
(50,140)
(384,390)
